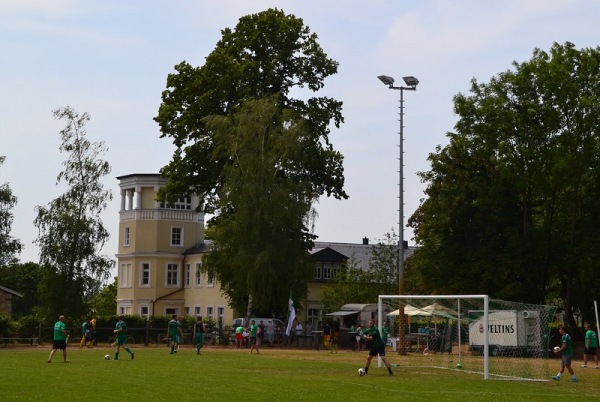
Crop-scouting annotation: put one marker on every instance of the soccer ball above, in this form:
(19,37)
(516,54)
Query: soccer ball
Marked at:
(361,372)
(556,349)
(107,357)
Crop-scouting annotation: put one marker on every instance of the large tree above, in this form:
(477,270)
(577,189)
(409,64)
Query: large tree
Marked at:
(71,233)
(512,199)
(268,56)
(9,247)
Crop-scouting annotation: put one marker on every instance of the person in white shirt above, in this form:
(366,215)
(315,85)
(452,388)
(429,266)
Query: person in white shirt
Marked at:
(299,329)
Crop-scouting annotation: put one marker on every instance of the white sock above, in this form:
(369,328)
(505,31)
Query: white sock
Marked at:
(558,375)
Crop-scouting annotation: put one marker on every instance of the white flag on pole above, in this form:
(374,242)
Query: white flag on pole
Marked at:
(292,315)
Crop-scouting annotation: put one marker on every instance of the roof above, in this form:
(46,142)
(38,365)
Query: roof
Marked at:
(199,248)
(359,307)
(12,292)
(358,251)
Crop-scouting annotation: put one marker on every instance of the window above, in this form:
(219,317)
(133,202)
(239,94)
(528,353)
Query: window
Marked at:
(188,274)
(326,271)
(210,282)
(185,203)
(125,276)
(172,275)
(209,312)
(169,311)
(187,310)
(124,308)
(335,271)
(126,236)
(145,275)
(198,282)
(144,311)
(197,311)
(221,314)
(176,236)
(318,271)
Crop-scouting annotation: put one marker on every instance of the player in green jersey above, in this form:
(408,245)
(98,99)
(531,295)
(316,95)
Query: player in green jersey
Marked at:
(254,329)
(199,331)
(372,335)
(590,346)
(60,339)
(121,335)
(174,333)
(567,354)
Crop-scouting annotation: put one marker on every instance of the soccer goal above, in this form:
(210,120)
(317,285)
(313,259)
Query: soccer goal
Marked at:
(470,333)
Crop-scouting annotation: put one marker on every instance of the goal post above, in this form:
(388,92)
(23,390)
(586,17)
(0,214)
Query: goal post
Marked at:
(472,333)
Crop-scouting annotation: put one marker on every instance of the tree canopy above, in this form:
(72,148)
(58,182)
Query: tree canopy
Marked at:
(71,233)
(511,199)
(257,156)
(9,246)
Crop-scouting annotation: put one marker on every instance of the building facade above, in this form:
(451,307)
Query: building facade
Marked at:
(161,248)
(159,260)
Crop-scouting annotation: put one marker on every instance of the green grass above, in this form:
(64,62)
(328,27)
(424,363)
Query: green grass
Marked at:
(221,374)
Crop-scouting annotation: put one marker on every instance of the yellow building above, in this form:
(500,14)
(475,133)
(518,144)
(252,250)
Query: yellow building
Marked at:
(160,255)
(161,248)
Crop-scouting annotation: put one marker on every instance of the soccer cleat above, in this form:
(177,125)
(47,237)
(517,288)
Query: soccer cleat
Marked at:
(573,379)
(583,366)
(132,356)
(390,374)
(556,377)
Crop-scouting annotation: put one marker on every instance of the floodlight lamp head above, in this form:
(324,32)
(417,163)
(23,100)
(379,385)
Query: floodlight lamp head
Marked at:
(411,81)
(386,79)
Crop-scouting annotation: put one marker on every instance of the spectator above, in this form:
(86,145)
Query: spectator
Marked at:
(239,337)
(260,336)
(359,337)
(270,328)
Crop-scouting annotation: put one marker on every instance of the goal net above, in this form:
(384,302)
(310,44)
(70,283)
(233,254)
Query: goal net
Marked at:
(469,333)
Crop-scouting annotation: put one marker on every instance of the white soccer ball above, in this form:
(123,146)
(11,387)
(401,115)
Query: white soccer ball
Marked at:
(107,357)
(361,372)
(556,349)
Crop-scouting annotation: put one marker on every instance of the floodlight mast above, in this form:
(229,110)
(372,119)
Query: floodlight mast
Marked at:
(411,85)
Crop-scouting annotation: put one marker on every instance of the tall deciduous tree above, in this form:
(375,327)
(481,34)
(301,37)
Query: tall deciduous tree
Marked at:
(268,56)
(71,233)
(260,237)
(9,247)
(512,199)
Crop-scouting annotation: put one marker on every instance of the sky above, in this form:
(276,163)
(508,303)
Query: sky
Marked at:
(111,59)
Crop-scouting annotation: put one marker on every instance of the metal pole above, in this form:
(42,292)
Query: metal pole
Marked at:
(401,198)
(401,316)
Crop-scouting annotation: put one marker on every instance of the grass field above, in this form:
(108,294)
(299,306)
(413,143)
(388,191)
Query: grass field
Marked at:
(226,374)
